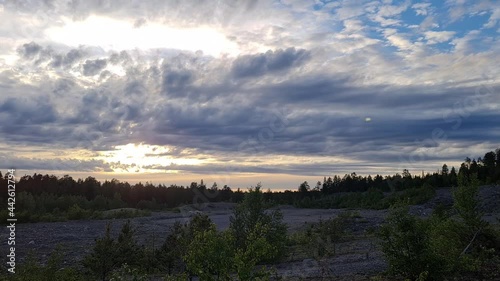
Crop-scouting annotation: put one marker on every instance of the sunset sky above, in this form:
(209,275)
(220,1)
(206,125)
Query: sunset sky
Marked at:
(241,92)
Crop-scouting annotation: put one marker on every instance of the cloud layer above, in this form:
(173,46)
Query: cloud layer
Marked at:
(262,87)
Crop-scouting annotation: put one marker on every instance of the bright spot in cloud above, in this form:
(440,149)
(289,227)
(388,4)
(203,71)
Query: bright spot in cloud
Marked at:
(141,157)
(111,34)
(435,37)
(368,119)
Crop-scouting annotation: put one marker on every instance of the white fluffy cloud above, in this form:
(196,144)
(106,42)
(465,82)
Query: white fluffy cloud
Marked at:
(434,37)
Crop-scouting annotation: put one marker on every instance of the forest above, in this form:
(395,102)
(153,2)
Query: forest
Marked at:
(453,242)
(52,198)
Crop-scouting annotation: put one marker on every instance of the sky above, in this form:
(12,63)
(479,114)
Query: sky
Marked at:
(241,92)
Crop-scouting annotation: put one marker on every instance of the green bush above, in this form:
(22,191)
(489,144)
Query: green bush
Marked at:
(406,245)
(466,203)
(128,251)
(318,239)
(169,256)
(125,214)
(32,270)
(148,205)
(25,216)
(258,249)
(441,245)
(26,202)
(109,254)
(250,213)
(411,196)
(126,272)
(210,255)
(177,277)
(77,213)
(371,199)
(104,257)
(99,203)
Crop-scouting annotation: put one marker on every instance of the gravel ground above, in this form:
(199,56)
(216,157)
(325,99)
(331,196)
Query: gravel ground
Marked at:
(358,257)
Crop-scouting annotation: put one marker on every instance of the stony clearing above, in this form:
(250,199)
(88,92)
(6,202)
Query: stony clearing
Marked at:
(353,260)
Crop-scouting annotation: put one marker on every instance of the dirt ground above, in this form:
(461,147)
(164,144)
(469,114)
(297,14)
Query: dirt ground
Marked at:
(354,259)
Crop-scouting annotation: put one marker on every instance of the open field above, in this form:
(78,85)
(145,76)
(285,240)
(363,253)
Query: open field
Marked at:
(356,255)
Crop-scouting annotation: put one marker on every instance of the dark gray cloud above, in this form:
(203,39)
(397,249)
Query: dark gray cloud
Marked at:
(73,55)
(175,82)
(57,164)
(93,67)
(37,55)
(320,115)
(271,61)
(227,108)
(64,87)
(21,111)
(68,59)
(29,50)
(305,169)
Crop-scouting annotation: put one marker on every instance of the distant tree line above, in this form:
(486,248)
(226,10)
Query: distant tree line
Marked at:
(118,193)
(114,193)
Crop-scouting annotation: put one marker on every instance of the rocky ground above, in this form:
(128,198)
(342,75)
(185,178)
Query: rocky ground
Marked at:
(353,260)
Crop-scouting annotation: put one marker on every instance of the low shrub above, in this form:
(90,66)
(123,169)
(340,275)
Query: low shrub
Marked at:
(33,270)
(77,213)
(440,246)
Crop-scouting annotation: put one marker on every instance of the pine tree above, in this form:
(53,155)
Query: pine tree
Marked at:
(128,252)
(103,258)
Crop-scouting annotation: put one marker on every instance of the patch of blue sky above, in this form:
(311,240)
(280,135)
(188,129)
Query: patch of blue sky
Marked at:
(318,7)
(443,47)
(410,17)
(320,4)
(376,33)
(468,23)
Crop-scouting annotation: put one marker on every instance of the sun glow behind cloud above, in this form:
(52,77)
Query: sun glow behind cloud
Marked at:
(143,157)
(112,34)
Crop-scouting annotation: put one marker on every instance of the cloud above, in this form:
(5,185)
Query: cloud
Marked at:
(271,61)
(93,67)
(301,85)
(428,23)
(69,58)
(464,44)
(457,9)
(349,9)
(393,10)
(399,41)
(57,164)
(388,15)
(176,81)
(494,18)
(421,9)
(21,111)
(434,37)
(29,50)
